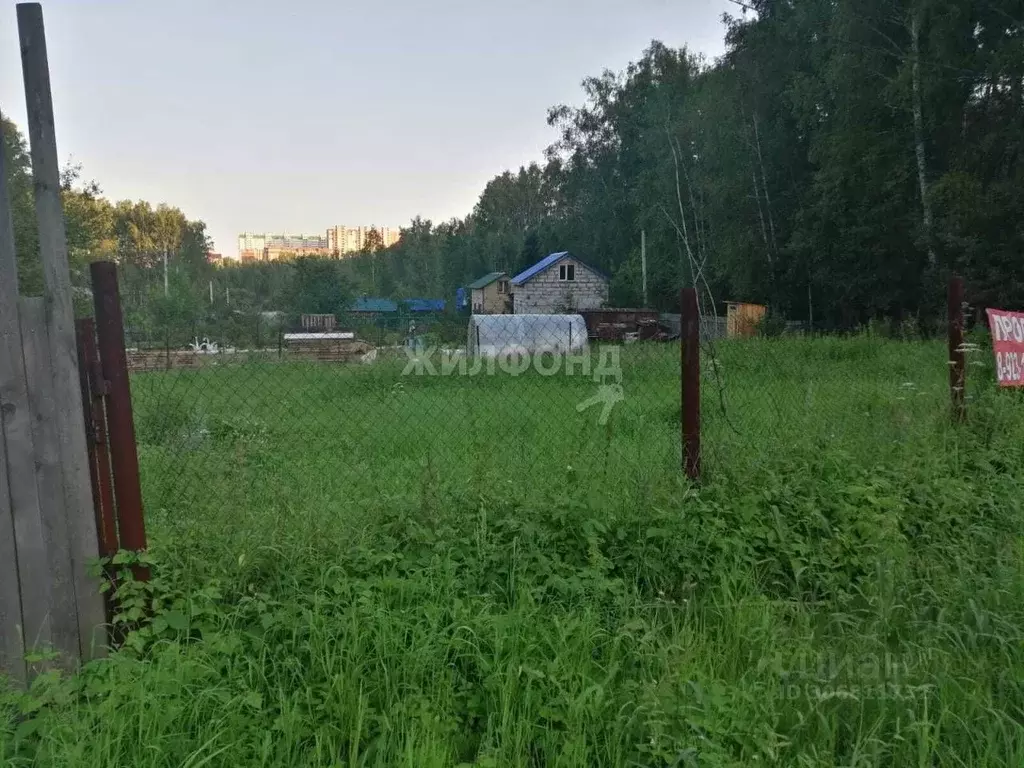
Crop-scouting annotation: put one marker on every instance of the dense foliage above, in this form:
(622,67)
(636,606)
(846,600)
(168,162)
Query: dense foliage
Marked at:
(135,234)
(840,159)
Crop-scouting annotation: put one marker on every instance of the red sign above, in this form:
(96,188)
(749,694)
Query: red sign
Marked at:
(1008,342)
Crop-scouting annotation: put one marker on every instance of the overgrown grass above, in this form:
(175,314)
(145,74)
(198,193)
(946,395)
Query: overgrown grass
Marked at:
(356,567)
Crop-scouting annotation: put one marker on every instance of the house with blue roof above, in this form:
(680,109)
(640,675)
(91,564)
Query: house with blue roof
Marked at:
(558,284)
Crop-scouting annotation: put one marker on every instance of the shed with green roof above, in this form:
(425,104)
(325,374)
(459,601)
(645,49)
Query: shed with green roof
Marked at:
(490,294)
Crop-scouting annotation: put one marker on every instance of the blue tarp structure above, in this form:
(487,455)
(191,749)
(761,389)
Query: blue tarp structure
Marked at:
(387,306)
(424,305)
(369,304)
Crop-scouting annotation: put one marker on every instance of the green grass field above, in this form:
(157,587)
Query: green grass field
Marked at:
(359,567)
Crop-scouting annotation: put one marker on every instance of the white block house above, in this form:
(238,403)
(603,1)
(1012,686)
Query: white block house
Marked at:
(558,284)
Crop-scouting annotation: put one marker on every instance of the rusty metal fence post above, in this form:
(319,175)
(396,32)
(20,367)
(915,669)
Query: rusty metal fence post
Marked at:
(957,362)
(93,403)
(689,341)
(94,391)
(120,423)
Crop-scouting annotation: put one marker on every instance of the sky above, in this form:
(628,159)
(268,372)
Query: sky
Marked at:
(267,116)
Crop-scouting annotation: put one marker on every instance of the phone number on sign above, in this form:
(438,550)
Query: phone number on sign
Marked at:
(1010,366)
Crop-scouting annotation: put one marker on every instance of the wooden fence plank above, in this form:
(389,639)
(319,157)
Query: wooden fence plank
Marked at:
(12,649)
(21,527)
(49,479)
(61,328)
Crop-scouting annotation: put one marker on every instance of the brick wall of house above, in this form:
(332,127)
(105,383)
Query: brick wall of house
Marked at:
(545,294)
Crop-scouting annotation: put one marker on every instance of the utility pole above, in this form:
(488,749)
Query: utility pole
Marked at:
(165,272)
(211,292)
(643,263)
(227,295)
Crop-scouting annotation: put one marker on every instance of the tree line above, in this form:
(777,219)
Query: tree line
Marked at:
(838,162)
(133,233)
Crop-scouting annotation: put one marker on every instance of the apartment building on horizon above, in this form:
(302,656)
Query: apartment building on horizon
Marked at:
(351,239)
(339,240)
(271,247)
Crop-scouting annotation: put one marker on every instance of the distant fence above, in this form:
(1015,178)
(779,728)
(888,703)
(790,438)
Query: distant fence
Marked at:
(319,322)
(711,327)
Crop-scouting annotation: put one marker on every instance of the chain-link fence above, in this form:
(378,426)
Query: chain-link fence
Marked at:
(362,409)
(785,398)
(768,399)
